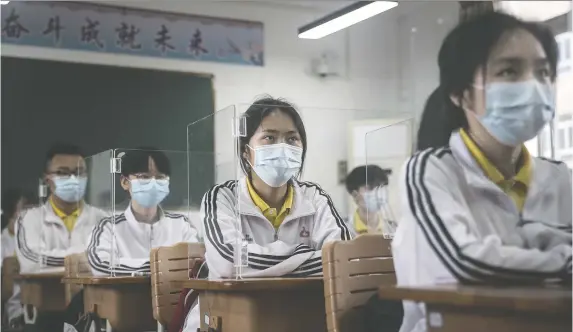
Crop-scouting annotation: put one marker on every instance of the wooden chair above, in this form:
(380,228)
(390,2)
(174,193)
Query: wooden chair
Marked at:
(10,269)
(167,264)
(76,265)
(353,272)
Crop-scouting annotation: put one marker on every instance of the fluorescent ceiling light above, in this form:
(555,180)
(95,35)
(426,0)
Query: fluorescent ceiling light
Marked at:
(344,18)
(4,2)
(536,10)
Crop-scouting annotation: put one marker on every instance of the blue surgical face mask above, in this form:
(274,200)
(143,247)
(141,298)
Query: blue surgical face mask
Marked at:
(516,112)
(70,189)
(276,164)
(149,192)
(374,199)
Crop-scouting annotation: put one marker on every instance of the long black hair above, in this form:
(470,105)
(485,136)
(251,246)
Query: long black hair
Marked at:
(255,114)
(465,50)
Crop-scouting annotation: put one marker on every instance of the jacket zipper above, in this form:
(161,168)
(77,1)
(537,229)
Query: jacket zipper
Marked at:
(151,238)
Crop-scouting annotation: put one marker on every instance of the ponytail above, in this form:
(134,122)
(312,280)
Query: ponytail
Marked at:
(439,119)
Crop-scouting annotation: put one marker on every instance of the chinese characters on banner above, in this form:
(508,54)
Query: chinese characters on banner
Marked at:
(90,27)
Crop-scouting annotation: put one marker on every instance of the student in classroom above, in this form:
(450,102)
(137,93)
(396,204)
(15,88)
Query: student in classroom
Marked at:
(60,227)
(478,207)
(13,202)
(144,225)
(368,186)
(285,222)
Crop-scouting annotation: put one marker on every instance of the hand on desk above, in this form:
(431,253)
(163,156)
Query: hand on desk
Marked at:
(544,236)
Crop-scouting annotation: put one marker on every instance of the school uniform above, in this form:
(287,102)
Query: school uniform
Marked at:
(46,233)
(8,243)
(134,241)
(462,221)
(41,232)
(292,247)
(360,226)
(280,242)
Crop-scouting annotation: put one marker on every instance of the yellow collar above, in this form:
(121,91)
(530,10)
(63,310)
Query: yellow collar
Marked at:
(62,214)
(359,225)
(523,176)
(263,206)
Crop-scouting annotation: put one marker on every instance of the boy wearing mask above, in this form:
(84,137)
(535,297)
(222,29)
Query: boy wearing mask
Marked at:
(368,187)
(58,228)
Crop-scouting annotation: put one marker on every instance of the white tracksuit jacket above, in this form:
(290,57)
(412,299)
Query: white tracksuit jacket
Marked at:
(292,250)
(457,225)
(41,233)
(134,241)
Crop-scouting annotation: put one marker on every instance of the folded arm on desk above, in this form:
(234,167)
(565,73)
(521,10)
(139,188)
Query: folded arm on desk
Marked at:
(100,253)
(448,226)
(29,245)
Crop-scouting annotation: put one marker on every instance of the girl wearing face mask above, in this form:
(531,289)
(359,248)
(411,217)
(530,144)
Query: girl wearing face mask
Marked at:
(479,207)
(284,221)
(145,175)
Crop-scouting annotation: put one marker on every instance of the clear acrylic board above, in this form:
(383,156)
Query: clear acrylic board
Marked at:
(99,195)
(43,195)
(211,176)
(387,149)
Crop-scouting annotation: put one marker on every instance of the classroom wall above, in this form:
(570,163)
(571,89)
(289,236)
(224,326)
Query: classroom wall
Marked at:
(384,69)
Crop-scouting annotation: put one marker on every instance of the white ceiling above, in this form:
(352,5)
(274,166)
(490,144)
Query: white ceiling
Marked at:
(326,7)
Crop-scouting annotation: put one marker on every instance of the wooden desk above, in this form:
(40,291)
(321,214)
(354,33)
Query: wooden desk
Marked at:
(488,308)
(43,291)
(125,302)
(261,305)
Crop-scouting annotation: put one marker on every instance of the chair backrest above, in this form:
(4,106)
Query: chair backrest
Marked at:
(76,265)
(167,264)
(353,272)
(10,269)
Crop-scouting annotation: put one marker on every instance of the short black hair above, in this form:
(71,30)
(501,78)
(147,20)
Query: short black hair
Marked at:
(358,178)
(464,50)
(255,114)
(62,149)
(137,161)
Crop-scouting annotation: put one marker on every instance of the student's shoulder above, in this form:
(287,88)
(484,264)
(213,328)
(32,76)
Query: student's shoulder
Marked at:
(32,214)
(175,216)
(111,219)
(431,162)
(551,166)
(97,212)
(311,190)
(222,191)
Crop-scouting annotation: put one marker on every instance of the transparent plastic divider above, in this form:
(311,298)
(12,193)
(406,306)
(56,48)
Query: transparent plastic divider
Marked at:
(43,194)
(387,149)
(211,185)
(99,195)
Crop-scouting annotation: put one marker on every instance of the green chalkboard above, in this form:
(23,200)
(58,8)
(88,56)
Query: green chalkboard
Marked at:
(98,108)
